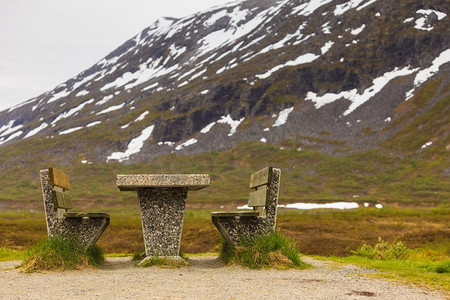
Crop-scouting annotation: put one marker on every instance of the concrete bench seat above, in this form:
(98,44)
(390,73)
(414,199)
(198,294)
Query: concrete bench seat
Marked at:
(85,227)
(235,213)
(85,215)
(235,225)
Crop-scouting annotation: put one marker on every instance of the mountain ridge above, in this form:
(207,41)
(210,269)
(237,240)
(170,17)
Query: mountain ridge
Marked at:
(333,76)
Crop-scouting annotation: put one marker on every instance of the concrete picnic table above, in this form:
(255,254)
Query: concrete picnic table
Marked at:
(162,199)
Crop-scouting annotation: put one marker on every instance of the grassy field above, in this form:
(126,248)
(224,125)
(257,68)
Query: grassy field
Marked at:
(307,176)
(319,232)
(327,233)
(414,190)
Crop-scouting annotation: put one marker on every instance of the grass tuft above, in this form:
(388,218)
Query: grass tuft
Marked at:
(164,262)
(272,250)
(138,256)
(383,250)
(443,267)
(61,253)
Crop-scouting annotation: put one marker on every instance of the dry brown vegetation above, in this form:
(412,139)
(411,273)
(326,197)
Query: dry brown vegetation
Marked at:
(322,232)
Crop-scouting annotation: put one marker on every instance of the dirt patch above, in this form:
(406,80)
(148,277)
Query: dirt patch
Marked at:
(361,293)
(206,278)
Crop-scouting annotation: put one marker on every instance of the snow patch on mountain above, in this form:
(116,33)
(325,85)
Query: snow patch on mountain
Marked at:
(307,8)
(359,99)
(326,47)
(36,130)
(425,74)
(345,7)
(208,127)
(104,100)
(238,27)
(421,23)
(152,86)
(282,117)
(9,128)
(142,116)
(11,137)
(234,124)
(188,143)
(133,147)
(110,109)
(70,130)
(215,17)
(358,30)
(71,112)
(59,95)
(366,4)
(93,124)
(302,59)
(426,145)
(82,93)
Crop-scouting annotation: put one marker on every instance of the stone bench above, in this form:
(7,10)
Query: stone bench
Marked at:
(84,227)
(235,225)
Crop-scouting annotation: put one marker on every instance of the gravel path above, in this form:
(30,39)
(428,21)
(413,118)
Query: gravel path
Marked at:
(207,278)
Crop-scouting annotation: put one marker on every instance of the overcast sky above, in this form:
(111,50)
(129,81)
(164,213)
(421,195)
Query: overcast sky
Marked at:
(45,42)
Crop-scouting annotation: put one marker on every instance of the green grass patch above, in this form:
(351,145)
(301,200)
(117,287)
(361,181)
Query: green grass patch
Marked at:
(307,176)
(7,254)
(272,250)
(164,262)
(61,253)
(117,254)
(428,264)
(160,261)
(443,267)
(383,250)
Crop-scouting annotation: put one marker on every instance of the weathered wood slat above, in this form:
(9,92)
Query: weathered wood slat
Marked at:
(98,215)
(68,200)
(261,177)
(59,197)
(248,213)
(58,178)
(63,200)
(74,215)
(258,198)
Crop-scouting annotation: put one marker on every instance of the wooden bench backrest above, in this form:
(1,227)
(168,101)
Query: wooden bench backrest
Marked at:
(61,184)
(260,182)
(58,178)
(62,199)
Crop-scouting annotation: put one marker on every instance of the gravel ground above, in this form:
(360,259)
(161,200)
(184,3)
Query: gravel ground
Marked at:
(206,278)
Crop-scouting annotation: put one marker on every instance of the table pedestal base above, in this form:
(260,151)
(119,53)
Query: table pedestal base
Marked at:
(170,258)
(162,215)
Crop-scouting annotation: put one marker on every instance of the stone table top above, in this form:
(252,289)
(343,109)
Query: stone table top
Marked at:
(132,182)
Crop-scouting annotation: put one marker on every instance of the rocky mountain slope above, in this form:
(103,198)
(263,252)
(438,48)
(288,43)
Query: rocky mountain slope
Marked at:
(330,75)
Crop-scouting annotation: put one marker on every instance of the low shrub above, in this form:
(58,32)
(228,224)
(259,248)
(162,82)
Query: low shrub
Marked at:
(443,267)
(383,250)
(61,253)
(272,250)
